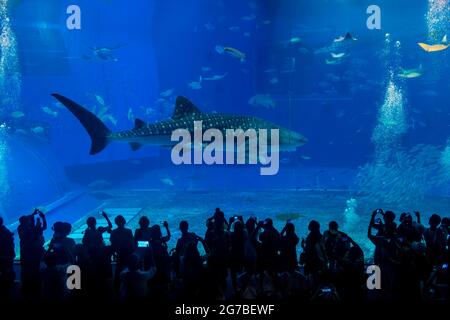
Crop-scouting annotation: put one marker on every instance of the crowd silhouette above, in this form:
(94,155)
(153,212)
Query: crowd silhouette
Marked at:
(236,259)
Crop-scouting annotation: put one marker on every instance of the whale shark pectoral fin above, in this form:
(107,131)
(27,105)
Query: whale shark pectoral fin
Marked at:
(135,146)
(184,108)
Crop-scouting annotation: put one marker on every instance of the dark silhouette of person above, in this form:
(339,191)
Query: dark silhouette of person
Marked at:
(314,257)
(269,245)
(436,287)
(333,263)
(238,246)
(250,225)
(350,272)
(383,226)
(60,254)
(253,245)
(95,258)
(143,233)
(218,241)
(336,244)
(445,225)
(93,235)
(182,242)
(31,237)
(7,255)
(191,270)
(407,286)
(435,239)
(219,219)
(134,280)
(62,247)
(122,245)
(288,248)
(407,229)
(159,283)
(386,248)
(143,238)
(185,238)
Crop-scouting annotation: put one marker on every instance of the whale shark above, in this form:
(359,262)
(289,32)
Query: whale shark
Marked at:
(184,116)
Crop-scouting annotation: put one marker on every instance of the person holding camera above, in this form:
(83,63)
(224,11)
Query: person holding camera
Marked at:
(269,240)
(122,246)
(386,248)
(31,234)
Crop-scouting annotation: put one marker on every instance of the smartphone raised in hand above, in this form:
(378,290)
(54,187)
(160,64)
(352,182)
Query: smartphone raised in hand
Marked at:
(143,244)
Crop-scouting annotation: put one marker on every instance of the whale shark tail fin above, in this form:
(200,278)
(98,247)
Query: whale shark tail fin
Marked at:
(96,129)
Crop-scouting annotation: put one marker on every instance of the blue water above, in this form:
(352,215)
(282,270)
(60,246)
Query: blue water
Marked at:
(163,45)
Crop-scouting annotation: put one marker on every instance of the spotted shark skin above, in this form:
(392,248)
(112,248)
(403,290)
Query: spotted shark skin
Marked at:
(160,133)
(209,121)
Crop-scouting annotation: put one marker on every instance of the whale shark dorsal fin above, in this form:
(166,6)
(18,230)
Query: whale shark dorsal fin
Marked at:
(138,123)
(184,108)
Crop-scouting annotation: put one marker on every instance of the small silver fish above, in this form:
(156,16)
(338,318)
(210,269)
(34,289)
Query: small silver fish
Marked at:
(196,85)
(167,181)
(273,80)
(249,17)
(166,93)
(215,77)
(37,130)
(50,112)
(262,100)
(231,51)
(17,114)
